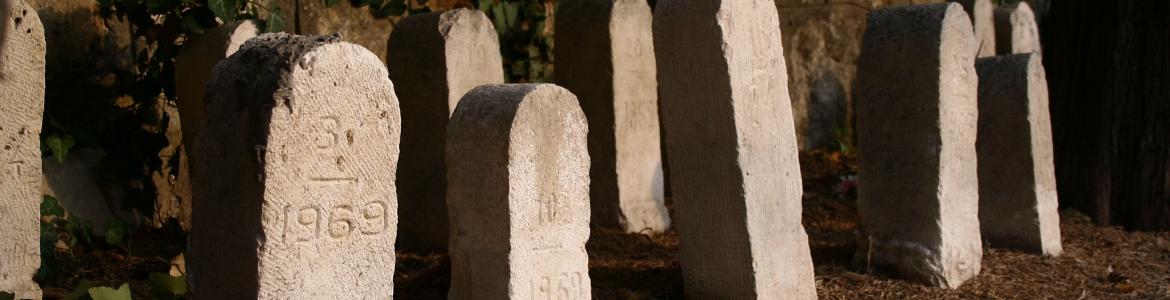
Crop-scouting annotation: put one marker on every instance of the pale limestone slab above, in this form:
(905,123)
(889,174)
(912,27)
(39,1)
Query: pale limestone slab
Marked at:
(294,174)
(982,17)
(732,150)
(917,114)
(605,56)
(436,58)
(1017,179)
(1016,30)
(518,194)
(22,103)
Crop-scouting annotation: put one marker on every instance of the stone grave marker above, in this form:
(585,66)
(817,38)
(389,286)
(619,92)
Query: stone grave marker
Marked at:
(22,84)
(983,20)
(1016,30)
(732,150)
(918,194)
(294,174)
(605,56)
(436,58)
(1017,179)
(193,66)
(518,194)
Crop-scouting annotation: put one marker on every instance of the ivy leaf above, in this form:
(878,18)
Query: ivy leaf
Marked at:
(116,231)
(275,20)
(166,286)
(485,5)
(500,20)
(331,2)
(512,12)
(225,10)
(191,24)
(396,7)
(105,293)
(50,207)
(60,146)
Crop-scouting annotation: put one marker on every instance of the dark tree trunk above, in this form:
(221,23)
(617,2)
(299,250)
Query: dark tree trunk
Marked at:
(1108,66)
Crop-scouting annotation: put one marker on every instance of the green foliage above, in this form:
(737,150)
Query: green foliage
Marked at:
(526,40)
(7,296)
(116,232)
(51,212)
(106,293)
(121,115)
(60,146)
(167,287)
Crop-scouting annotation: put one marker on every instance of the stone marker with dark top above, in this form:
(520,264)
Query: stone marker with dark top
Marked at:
(518,194)
(732,150)
(1016,30)
(435,58)
(22,103)
(605,56)
(918,195)
(982,17)
(1017,180)
(294,174)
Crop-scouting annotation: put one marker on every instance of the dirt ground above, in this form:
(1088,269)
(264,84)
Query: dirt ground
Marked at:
(1098,263)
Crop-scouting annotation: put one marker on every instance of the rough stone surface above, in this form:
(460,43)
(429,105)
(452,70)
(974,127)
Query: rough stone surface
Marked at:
(1017,180)
(1016,30)
(356,24)
(294,174)
(918,194)
(435,58)
(518,194)
(605,56)
(981,13)
(732,150)
(22,84)
(823,40)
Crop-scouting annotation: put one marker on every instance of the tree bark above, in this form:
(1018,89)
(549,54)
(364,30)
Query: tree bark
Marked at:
(1108,67)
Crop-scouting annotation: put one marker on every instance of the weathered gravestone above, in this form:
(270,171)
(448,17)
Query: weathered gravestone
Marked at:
(22,101)
(435,58)
(518,194)
(294,174)
(1016,30)
(982,19)
(193,66)
(918,194)
(732,150)
(1017,180)
(605,56)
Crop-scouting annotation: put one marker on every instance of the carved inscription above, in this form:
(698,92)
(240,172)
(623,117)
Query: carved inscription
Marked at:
(328,143)
(305,223)
(561,286)
(634,119)
(551,212)
(13,170)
